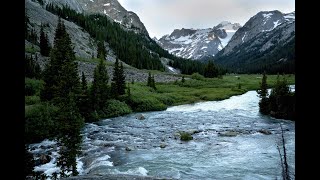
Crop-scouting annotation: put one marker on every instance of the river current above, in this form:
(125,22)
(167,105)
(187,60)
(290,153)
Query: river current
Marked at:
(231,140)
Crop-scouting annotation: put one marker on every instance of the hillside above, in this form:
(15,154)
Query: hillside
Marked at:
(265,42)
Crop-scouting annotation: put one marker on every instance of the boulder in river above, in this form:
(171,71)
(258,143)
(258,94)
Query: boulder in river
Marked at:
(163,145)
(193,131)
(229,133)
(140,117)
(129,148)
(264,131)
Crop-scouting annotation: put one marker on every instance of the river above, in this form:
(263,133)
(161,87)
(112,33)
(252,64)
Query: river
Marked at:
(228,143)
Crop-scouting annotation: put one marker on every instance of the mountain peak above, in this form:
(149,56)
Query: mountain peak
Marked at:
(199,43)
(262,22)
(114,10)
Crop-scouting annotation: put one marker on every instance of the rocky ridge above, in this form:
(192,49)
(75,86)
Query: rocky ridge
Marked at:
(198,43)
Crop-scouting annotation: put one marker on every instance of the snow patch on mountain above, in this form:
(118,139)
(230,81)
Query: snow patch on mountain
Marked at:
(199,43)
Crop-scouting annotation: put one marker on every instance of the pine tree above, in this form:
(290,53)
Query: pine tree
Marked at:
(153,83)
(83,99)
(32,68)
(44,43)
(122,80)
(282,101)
(84,86)
(128,91)
(118,80)
(62,88)
(69,138)
(183,80)
(61,74)
(263,94)
(101,51)
(210,70)
(99,89)
(149,81)
(26,28)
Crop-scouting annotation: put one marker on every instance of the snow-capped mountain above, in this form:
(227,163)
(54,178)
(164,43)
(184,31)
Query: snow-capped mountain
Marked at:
(263,22)
(199,43)
(262,40)
(111,8)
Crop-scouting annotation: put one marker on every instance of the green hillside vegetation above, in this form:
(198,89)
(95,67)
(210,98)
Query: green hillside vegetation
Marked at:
(130,47)
(277,59)
(58,102)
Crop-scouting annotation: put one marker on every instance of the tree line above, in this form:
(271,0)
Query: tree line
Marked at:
(68,102)
(280,103)
(135,49)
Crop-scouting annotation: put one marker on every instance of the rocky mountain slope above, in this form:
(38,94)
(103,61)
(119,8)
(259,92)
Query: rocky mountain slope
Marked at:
(266,39)
(110,8)
(84,45)
(199,43)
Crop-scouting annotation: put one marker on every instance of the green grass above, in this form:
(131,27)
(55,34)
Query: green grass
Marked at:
(192,90)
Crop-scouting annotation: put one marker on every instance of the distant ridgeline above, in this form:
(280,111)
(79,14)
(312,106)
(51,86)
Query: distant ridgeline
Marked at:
(265,43)
(135,49)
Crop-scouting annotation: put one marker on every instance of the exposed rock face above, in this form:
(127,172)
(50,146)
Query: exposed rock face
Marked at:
(200,43)
(110,8)
(114,10)
(84,45)
(262,23)
(131,73)
(266,40)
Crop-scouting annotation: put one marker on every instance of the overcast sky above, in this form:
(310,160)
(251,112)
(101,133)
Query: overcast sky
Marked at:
(161,17)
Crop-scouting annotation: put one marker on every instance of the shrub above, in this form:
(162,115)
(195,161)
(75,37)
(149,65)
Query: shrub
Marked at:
(197,76)
(30,100)
(167,100)
(117,108)
(40,123)
(32,86)
(140,104)
(184,136)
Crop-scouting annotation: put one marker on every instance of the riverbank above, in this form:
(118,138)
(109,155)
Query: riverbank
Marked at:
(196,89)
(232,141)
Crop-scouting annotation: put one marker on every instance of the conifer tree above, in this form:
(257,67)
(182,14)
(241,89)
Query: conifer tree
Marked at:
(69,138)
(84,102)
(128,91)
(99,89)
(210,70)
(122,80)
(44,43)
(84,86)
(149,81)
(62,87)
(32,68)
(101,51)
(118,80)
(183,80)
(61,74)
(263,93)
(153,83)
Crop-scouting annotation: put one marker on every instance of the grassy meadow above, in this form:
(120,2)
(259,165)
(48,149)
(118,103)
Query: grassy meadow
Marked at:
(204,89)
